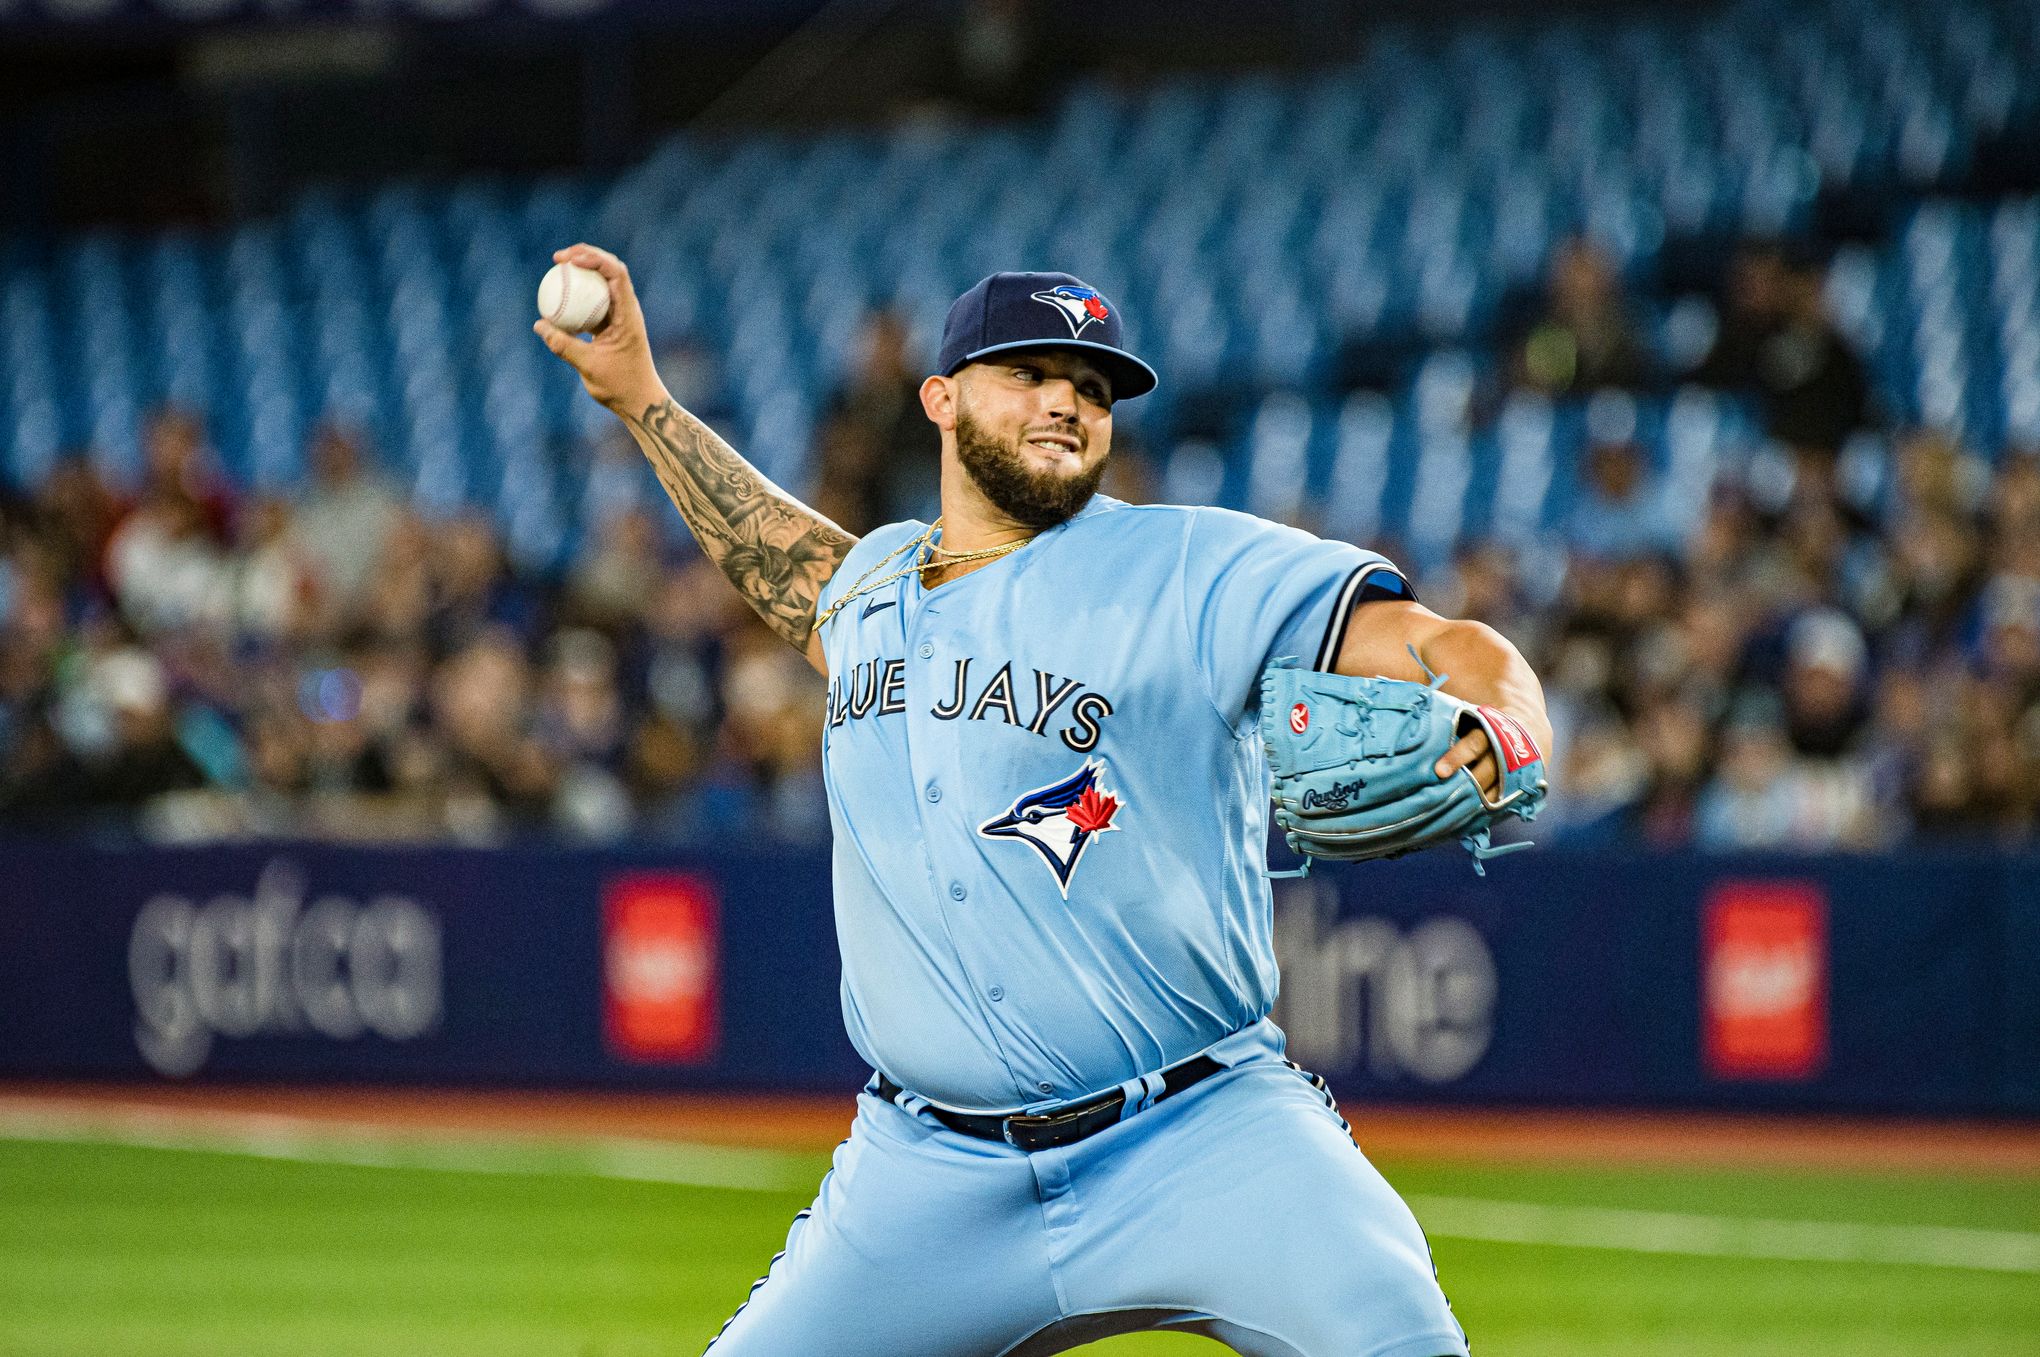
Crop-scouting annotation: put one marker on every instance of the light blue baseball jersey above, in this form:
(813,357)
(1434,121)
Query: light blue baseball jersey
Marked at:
(1050,796)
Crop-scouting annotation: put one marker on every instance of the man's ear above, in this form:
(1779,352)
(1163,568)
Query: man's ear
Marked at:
(938,399)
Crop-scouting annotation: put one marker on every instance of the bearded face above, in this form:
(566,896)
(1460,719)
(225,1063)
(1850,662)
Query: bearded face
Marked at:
(1032,495)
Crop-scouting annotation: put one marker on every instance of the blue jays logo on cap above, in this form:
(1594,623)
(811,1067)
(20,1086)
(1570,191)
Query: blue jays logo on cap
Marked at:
(1059,821)
(1080,306)
(1011,312)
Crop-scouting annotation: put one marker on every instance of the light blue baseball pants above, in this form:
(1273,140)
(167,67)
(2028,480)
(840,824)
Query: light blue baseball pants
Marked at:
(1239,1208)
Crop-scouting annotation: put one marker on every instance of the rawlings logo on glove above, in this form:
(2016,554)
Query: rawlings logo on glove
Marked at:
(1333,797)
(1354,764)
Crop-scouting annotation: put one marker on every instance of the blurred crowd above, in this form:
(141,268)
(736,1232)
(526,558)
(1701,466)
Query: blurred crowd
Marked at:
(207,665)
(1810,667)
(1796,674)
(1823,655)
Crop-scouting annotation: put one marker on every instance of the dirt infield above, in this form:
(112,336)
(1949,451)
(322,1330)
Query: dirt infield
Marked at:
(812,1123)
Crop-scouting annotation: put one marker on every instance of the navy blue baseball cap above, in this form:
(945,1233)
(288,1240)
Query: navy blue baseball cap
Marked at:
(1010,311)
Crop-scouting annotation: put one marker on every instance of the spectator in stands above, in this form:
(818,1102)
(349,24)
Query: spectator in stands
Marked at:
(270,583)
(1901,721)
(1936,566)
(877,450)
(397,601)
(1777,341)
(1824,687)
(1753,800)
(582,725)
(119,748)
(75,516)
(2014,500)
(686,627)
(1826,710)
(1585,337)
(1603,775)
(580,716)
(31,634)
(1621,511)
(1131,475)
(278,751)
(775,706)
(1934,473)
(665,763)
(613,585)
(34,605)
(2008,650)
(344,520)
(2001,799)
(166,568)
(1486,584)
(496,775)
(1944,800)
(167,560)
(473,589)
(1672,736)
(178,465)
(344,754)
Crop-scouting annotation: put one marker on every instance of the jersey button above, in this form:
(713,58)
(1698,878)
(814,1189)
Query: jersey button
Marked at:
(934,792)
(996,993)
(927,651)
(1046,1087)
(956,890)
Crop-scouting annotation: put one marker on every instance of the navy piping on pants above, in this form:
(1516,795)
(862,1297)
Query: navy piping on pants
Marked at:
(802,1215)
(1325,1092)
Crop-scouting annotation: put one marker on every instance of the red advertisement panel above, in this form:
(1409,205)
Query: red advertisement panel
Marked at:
(659,968)
(1764,972)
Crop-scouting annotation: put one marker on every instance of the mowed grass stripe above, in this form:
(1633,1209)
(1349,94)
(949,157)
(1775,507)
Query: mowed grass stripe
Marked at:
(308,1141)
(1487,1220)
(1711,1236)
(98,1246)
(130,1251)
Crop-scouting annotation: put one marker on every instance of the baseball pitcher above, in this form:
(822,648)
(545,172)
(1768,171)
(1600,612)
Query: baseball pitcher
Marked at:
(1056,724)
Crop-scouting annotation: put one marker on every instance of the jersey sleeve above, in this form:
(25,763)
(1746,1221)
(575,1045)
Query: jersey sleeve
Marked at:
(1254,591)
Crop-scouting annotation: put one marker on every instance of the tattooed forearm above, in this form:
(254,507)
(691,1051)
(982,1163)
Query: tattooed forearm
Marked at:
(777,551)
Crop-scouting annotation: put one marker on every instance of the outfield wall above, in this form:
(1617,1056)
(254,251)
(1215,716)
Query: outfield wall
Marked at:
(1887,984)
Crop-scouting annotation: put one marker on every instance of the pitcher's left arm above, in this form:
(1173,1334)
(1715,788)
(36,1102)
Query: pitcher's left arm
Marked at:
(1482,665)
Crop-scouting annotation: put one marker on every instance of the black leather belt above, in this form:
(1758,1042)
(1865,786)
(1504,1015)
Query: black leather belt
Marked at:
(1065,1125)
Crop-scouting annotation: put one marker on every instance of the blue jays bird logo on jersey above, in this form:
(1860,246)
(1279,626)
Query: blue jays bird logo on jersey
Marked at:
(1059,821)
(1080,306)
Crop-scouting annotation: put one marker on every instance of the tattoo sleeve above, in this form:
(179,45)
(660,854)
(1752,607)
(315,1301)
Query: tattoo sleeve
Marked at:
(777,551)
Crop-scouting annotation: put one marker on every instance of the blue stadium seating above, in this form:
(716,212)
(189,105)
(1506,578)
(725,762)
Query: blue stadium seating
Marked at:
(1251,225)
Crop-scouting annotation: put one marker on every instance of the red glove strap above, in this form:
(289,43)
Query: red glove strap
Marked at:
(1516,746)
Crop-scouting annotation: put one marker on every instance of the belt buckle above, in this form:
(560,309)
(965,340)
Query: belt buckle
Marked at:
(1050,1123)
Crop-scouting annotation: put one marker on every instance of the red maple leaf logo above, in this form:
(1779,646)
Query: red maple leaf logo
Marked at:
(1092,811)
(1096,308)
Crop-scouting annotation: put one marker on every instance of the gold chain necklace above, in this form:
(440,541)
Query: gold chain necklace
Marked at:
(865,584)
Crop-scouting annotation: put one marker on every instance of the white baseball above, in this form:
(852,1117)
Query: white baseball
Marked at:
(573,298)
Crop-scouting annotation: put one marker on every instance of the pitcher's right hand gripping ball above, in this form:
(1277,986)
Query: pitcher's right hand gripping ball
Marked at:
(1355,766)
(615,362)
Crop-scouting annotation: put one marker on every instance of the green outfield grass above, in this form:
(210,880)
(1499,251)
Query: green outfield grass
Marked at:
(108,1250)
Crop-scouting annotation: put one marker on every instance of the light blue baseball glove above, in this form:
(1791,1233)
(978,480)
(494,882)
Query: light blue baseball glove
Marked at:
(1354,766)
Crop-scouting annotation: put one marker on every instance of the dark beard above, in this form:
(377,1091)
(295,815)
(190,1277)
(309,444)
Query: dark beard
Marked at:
(1032,499)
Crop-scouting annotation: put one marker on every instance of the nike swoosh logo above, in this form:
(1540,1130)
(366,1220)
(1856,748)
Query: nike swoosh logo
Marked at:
(875,606)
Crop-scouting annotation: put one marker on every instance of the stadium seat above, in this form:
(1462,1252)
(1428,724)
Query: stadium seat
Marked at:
(1254,228)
